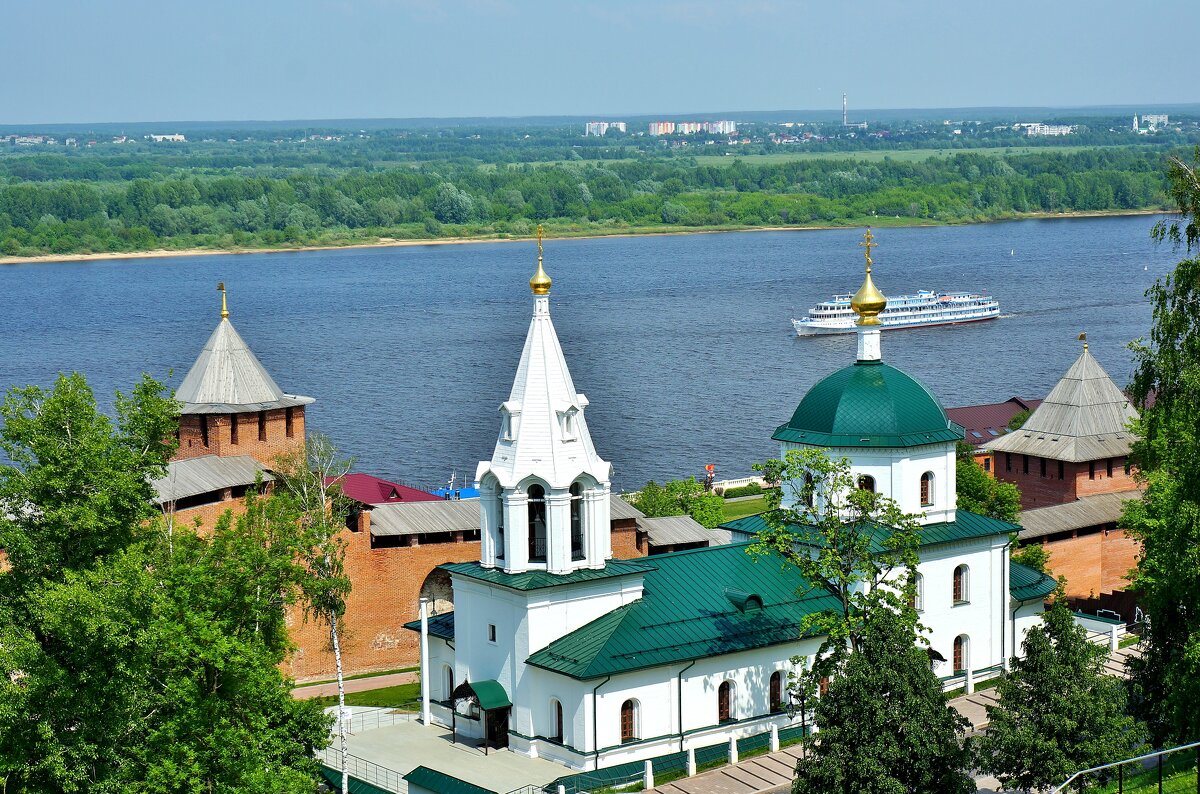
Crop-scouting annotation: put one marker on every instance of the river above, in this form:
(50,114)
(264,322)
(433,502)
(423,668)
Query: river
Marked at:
(682,343)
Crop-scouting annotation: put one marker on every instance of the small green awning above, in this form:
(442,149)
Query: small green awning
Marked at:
(489,694)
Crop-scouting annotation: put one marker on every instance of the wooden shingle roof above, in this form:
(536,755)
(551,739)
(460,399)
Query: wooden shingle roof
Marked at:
(228,378)
(1085,417)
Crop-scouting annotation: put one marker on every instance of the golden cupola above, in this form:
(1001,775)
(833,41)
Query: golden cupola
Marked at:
(540,283)
(868,302)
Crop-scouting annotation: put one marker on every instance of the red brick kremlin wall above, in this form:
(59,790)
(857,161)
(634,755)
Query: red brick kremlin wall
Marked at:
(1079,479)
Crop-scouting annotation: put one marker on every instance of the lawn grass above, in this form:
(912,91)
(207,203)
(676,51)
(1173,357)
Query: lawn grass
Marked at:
(392,697)
(1179,775)
(744,507)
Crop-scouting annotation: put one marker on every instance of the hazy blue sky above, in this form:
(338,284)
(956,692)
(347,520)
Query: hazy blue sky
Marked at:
(136,60)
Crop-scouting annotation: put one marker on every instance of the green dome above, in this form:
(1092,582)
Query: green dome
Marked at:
(869,404)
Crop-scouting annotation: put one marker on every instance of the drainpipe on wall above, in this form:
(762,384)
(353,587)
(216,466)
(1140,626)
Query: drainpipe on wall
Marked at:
(679,679)
(1005,594)
(596,724)
(425,715)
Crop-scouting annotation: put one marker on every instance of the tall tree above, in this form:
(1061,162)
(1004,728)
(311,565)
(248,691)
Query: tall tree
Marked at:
(680,498)
(311,478)
(127,663)
(1166,521)
(1057,711)
(884,722)
(981,493)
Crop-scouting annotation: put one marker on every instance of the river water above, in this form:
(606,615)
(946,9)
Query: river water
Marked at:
(682,343)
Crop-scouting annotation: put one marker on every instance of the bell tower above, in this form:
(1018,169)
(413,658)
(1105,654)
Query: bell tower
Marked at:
(544,494)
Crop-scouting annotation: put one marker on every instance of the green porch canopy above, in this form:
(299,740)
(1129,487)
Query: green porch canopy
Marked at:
(489,694)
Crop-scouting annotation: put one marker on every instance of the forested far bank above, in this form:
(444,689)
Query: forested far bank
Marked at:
(251,208)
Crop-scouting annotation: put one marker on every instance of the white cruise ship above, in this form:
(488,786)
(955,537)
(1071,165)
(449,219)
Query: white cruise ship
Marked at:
(907,311)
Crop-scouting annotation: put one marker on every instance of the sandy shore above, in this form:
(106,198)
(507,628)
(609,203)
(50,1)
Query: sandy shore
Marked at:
(388,242)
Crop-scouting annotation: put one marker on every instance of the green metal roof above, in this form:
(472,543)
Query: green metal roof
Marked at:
(967,527)
(439,625)
(1026,584)
(686,613)
(536,580)
(442,783)
(869,404)
(490,694)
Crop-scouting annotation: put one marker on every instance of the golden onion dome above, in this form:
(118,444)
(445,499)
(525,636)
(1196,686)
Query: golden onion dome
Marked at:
(540,283)
(868,302)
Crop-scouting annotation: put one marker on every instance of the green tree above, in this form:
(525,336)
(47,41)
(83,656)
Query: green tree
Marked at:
(1032,556)
(981,493)
(1019,419)
(1057,711)
(680,498)
(884,722)
(311,480)
(1166,521)
(134,659)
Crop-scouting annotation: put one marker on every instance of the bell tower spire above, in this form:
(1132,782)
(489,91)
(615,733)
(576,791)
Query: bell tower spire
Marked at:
(544,494)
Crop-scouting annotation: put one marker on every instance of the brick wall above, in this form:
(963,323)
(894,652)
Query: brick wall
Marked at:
(220,434)
(386,593)
(1096,561)
(1079,479)
(387,585)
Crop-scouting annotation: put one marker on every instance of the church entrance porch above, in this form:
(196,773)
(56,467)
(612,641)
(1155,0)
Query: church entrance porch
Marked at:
(484,702)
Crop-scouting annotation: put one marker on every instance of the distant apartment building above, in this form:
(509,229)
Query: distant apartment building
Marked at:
(600,128)
(693,127)
(173,138)
(1037,128)
(1154,120)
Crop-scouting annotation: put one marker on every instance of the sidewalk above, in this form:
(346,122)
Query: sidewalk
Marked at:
(355,685)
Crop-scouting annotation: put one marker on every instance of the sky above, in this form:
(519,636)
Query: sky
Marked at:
(159,60)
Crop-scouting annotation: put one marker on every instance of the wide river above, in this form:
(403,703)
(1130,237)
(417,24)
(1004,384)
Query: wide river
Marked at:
(682,343)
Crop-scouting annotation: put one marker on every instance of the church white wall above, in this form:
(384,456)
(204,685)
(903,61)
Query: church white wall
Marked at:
(1026,616)
(525,621)
(897,474)
(985,619)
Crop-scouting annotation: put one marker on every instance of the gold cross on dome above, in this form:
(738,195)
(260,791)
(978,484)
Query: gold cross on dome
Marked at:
(869,243)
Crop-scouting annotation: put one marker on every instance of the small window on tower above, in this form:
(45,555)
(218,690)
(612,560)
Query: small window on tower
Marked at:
(568,423)
(289,418)
(491,632)
(233,429)
(262,425)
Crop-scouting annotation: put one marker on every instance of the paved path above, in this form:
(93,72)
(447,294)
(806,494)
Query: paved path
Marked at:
(355,685)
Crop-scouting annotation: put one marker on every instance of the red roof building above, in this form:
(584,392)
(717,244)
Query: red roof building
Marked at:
(370,490)
(986,423)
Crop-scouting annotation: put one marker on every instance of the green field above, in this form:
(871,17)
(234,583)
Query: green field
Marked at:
(746,507)
(876,155)
(395,697)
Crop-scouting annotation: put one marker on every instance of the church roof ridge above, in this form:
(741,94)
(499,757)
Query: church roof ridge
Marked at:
(1084,417)
(228,378)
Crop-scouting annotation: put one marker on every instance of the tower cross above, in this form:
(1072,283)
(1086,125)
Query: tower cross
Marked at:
(869,243)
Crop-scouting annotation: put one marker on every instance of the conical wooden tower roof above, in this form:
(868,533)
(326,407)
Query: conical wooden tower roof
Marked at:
(228,378)
(1085,417)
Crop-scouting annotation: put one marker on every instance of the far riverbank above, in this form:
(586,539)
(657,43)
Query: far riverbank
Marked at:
(558,232)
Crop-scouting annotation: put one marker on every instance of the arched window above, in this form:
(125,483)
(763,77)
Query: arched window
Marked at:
(962,652)
(866,483)
(556,721)
(499,526)
(576,521)
(927,489)
(537,523)
(629,715)
(776,691)
(962,585)
(725,702)
(917,601)
(447,681)
(809,494)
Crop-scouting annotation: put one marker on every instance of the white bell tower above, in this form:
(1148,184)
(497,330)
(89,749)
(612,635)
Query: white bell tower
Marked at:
(544,494)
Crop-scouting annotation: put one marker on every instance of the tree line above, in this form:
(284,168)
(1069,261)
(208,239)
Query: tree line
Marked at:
(99,207)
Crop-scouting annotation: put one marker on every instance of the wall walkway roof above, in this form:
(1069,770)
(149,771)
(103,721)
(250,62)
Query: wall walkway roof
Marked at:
(1086,511)
(206,474)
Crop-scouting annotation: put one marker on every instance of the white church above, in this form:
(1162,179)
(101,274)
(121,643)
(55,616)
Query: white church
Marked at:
(558,651)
